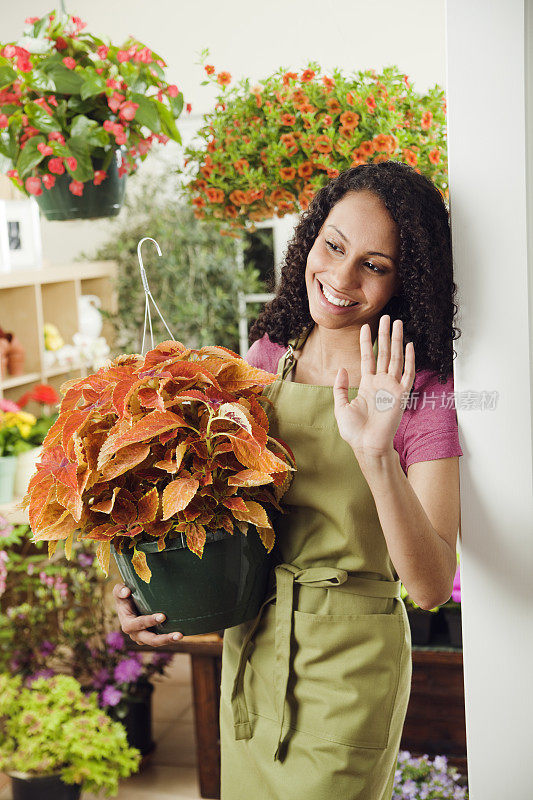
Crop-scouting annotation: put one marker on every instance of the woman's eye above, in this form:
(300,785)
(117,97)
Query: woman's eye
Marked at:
(377,270)
(333,247)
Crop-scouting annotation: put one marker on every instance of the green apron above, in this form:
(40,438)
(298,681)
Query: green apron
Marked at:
(315,689)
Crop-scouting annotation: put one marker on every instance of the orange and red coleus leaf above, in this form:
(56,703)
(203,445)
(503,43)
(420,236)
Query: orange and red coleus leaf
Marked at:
(177,495)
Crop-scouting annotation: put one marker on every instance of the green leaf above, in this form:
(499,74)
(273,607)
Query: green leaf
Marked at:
(98,137)
(7,76)
(93,84)
(78,148)
(66,80)
(81,125)
(167,122)
(29,157)
(176,105)
(40,26)
(40,118)
(40,82)
(147,113)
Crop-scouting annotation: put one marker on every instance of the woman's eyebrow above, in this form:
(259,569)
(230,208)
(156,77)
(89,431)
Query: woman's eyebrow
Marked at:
(370,252)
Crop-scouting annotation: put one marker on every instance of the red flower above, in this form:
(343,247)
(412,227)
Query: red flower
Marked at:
(223,78)
(99,176)
(144,55)
(209,68)
(434,155)
(127,110)
(3,121)
(60,43)
(427,119)
(45,149)
(49,181)
(307,75)
(69,62)
(52,99)
(102,51)
(123,55)
(371,103)
(31,20)
(33,185)
(57,137)
(172,90)
(122,170)
(108,125)
(56,165)
(71,163)
(76,187)
(42,393)
(188,108)
(115,100)
(112,83)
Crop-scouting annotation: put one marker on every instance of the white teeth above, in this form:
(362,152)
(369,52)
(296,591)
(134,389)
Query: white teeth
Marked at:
(334,300)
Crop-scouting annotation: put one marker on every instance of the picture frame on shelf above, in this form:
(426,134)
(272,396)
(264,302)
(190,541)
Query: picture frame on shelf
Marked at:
(23,234)
(5,260)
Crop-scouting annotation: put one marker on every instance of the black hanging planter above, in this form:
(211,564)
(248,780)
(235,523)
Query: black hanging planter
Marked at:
(453,621)
(104,200)
(138,719)
(201,595)
(42,787)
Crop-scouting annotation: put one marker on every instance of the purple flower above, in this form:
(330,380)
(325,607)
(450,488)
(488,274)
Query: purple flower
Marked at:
(46,648)
(128,670)
(111,696)
(161,659)
(115,640)
(101,678)
(85,559)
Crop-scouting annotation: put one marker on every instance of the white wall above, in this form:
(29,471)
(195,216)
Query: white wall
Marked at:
(247,39)
(491,191)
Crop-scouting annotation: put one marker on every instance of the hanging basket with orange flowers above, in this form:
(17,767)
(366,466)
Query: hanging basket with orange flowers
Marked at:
(267,148)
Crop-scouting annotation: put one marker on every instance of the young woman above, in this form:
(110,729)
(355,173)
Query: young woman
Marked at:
(314,691)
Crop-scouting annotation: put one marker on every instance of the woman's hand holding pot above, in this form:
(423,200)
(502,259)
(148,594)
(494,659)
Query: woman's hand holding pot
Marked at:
(134,625)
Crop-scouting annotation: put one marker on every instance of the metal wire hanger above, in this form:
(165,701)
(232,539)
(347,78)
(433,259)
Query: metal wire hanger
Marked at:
(148,296)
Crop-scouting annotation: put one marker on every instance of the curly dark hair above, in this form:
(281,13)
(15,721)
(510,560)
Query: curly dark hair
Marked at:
(425,302)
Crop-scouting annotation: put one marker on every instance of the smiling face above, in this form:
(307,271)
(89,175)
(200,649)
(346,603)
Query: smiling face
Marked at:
(354,258)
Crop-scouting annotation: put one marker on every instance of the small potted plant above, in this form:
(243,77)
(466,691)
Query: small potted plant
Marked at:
(78,114)
(267,148)
(167,458)
(56,741)
(452,611)
(420,776)
(420,620)
(15,429)
(46,397)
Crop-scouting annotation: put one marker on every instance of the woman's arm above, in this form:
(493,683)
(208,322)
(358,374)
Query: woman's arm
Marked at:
(419,515)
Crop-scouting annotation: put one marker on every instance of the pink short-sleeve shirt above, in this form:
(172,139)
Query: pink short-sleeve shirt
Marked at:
(428,429)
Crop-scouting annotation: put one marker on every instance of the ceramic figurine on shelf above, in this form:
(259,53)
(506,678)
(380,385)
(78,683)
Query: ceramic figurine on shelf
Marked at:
(16,357)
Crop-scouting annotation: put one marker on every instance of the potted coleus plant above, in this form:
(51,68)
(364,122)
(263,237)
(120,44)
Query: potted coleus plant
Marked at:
(267,148)
(420,620)
(452,611)
(420,776)
(167,459)
(78,114)
(56,741)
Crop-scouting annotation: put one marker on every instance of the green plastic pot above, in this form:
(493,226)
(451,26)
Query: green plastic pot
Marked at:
(201,595)
(138,719)
(104,200)
(42,787)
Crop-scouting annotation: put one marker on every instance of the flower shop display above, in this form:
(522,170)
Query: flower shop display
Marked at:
(90,317)
(157,456)
(51,729)
(12,354)
(78,114)
(84,350)
(46,397)
(452,611)
(15,429)
(196,258)
(421,777)
(267,148)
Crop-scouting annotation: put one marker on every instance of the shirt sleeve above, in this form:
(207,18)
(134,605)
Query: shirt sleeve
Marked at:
(264,354)
(431,430)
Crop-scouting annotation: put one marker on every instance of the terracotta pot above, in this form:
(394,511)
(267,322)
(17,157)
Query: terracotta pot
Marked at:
(16,357)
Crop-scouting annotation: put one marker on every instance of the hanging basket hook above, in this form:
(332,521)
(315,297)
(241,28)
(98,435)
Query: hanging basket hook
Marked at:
(148,295)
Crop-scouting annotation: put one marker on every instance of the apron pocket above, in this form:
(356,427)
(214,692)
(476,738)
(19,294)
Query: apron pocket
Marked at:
(344,677)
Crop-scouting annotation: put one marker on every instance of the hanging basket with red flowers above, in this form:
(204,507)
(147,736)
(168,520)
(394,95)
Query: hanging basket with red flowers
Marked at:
(78,114)
(267,148)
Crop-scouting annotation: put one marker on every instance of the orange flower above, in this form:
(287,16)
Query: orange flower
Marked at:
(371,103)
(434,155)
(332,173)
(220,107)
(410,156)
(254,194)
(307,108)
(307,75)
(231,211)
(393,143)
(238,197)
(326,120)
(289,76)
(349,119)
(287,173)
(212,146)
(280,97)
(333,105)
(206,170)
(381,142)
(299,96)
(381,157)
(198,202)
(198,213)
(285,207)
(258,100)
(329,83)
(304,202)
(215,195)
(209,68)
(366,148)
(427,119)
(323,144)
(305,170)
(290,143)
(240,165)
(223,78)
(357,160)
(288,119)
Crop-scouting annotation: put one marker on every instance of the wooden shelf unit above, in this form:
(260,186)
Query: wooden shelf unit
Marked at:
(30,298)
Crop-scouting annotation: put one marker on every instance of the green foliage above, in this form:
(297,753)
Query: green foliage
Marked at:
(195,282)
(51,726)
